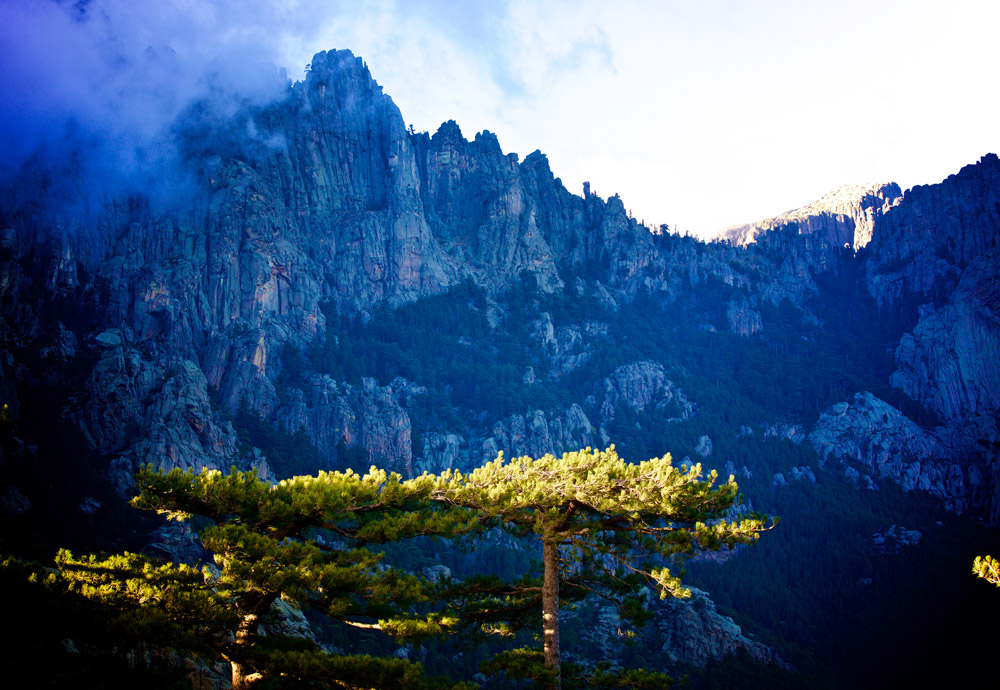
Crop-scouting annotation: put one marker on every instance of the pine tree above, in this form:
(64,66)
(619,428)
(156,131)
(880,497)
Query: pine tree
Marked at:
(606,527)
(266,547)
(987,568)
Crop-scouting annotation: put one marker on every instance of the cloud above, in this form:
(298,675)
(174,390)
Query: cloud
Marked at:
(94,90)
(97,87)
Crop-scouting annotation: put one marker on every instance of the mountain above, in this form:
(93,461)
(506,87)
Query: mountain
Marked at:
(314,286)
(844,217)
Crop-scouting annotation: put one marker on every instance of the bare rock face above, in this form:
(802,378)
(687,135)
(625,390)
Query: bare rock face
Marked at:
(693,631)
(922,246)
(639,385)
(878,435)
(339,415)
(951,359)
(535,434)
(784,431)
(538,433)
(286,620)
(689,631)
(323,196)
(181,428)
(119,383)
(895,538)
(743,320)
(844,217)
(484,206)
(940,248)
(144,414)
(442,451)
(792,247)
(568,347)
(950,362)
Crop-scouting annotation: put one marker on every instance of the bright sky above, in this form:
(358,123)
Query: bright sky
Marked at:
(700,113)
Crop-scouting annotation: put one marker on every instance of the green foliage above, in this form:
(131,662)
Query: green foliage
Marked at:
(844,611)
(607,677)
(607,528)
(58,639)
(987,568)
(604,509)
(789,371)
(445,343)
(267,546)
(522,663)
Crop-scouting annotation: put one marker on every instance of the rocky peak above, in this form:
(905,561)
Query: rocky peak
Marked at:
(845,216)
(448,134)
(337,78)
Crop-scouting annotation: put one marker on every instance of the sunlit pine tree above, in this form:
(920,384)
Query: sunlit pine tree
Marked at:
(266,547)
(606,526)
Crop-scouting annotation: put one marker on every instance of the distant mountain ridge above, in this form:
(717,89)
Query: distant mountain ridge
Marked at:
(844,217)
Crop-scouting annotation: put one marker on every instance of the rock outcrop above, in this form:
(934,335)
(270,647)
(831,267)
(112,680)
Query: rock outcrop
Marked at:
(338,416)
(692,631)
(568,347)
(939,248)
(538,433)
(158,331)
(950,361)
(878,435)
(686,631)
(638,386)
(743,320)
(844,217)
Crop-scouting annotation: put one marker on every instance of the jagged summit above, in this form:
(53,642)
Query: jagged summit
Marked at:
(846,215)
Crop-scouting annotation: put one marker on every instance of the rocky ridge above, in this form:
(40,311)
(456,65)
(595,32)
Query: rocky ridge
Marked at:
(844,217)
(333,202)
(632,387)
(336,202)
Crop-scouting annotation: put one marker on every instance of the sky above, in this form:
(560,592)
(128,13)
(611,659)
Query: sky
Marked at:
(699,114)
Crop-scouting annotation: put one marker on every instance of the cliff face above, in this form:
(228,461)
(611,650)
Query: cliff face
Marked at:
(844,217)
(931,253)
(323,197)
(326,198)
(940,249)
(894,447)
(924,246)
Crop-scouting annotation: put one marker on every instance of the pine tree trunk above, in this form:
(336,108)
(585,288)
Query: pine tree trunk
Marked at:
(240,679)
(550,610)
(243,677)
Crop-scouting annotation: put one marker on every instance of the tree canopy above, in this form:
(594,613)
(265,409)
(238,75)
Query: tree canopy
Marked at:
(606,526)
(267,548)
(987,568)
